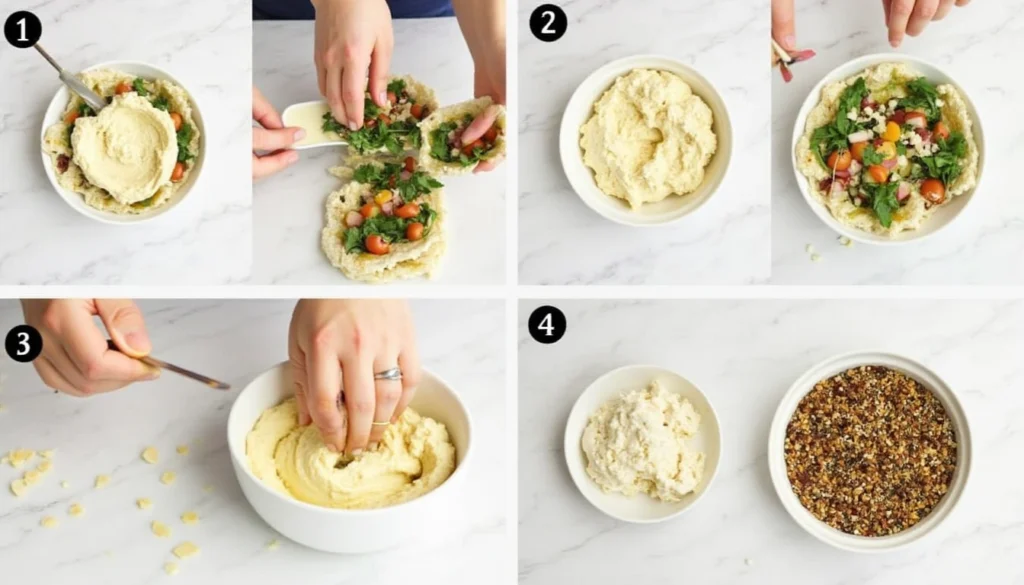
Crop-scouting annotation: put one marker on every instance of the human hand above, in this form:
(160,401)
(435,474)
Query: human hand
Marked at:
(483,26)
(76,359)
(352,36)
(271,138)
(783,26)
(912,16)
(476,130)
(335,344)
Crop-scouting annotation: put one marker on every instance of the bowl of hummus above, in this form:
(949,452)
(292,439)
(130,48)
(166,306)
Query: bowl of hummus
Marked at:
(645,140)
(642,444)
(888,149)
(870,451)
(135,159)
(403,492)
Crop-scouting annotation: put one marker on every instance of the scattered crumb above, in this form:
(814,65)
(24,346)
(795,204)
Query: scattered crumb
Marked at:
(845,241)
(47,454)
(144,503)
(5,460)
(160,529)
(102,480)
(185,550)
(273,544)
(64,484)
(168,478)
(32,476)
(815,258)
(76,510)
(171,568)
(150,455)
(190,518)
(182,449)
(748,562)
(48,522)
(109,553)
(2,408)
(44,466)
(208,489)
(809,248)
(19,487)
(19,457)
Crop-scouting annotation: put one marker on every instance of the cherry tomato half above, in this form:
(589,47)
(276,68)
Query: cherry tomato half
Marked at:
(933,191)
(840,160)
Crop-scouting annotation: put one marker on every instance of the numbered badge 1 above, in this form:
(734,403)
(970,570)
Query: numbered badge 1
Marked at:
(23,29)
(547,324)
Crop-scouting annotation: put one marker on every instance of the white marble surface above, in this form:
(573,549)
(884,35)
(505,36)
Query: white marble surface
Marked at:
(985,244)
(744,355)
(207,240)
(235,341)
(561,240)
(289,207)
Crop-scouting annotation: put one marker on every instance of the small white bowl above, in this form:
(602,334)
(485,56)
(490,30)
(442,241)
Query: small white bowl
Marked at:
(777,460)
(640,509)
(351,531)
(579,110)
(76,201)
(942,216)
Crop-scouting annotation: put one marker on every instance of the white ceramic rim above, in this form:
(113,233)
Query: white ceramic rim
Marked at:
(235,450)
(571,443)
(819,209)
(572,156)
(76,201)
(839,363)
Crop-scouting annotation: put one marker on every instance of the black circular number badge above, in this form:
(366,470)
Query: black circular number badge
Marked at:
(548,23)
(547,324)
(23,29)
(23,343)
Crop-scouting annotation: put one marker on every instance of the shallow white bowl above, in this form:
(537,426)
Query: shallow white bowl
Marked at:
(76,201)
(351,531)
(579,110)
(777,462)
(640,509)
(942,216)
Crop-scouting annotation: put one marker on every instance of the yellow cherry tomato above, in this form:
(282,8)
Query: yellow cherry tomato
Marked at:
(887,150)
(383,197)
(892,132)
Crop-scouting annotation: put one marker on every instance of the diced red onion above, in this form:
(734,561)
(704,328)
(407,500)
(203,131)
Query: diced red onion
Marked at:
(397,200)
(388,208)
(842,174)
(903,191)
(353,219)
(889,163)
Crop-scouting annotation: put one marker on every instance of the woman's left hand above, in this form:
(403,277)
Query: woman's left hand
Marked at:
(483,26)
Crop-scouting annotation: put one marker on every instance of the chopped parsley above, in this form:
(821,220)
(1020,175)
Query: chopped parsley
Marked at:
(440,149)
(922,96)
(945,164)
(883,200)
(395,136)
(160,102)
(391,228)
(389,177)
(184,143)
(872,157)
(397,86)
(139,88)
(835,135)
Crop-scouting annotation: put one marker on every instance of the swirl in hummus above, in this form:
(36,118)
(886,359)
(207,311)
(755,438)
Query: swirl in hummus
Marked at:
(134,154)
(649,137)
(414,457)
(885,148)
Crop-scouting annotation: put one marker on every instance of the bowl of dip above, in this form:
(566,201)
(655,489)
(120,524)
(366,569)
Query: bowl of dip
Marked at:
(55,113)
(353,531)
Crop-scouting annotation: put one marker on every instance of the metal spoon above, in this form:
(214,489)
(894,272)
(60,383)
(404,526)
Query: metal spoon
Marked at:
(95,101)
(155,363)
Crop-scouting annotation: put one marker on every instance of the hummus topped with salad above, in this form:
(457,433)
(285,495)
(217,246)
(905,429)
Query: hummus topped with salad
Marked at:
(385,223)
(394,128)
(883,149)
(135,153)
(443,151)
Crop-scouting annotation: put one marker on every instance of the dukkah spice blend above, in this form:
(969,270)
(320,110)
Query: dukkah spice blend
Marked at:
(870,451)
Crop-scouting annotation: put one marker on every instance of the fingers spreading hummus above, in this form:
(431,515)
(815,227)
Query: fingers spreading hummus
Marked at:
(135,153)
(885,148)
(648,138)
(414,457)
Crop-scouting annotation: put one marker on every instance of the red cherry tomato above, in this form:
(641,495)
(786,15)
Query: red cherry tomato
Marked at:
(376,245)
(840,160)
(933,191)
(408,211)
(410,164)
(414,231)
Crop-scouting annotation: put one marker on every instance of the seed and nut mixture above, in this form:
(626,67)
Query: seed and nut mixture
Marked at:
(870,451)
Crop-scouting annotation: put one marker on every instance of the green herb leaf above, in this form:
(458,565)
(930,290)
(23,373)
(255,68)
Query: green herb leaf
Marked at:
(185,143)
(139,88)
(160,102)
(391,228)
(883,200)
(945,165)
(872,157)
(922,95)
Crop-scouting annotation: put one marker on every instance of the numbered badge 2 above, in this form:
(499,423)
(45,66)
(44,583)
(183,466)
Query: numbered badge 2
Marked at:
(548,23)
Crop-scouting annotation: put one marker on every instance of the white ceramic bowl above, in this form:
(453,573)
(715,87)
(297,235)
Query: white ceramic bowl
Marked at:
(777,463)
(351,531)
(579,110)
(640,509)
(76,201)
(942,216)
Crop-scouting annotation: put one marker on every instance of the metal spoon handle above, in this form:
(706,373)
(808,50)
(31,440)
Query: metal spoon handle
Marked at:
(48,58)
(153,362)
(95,101)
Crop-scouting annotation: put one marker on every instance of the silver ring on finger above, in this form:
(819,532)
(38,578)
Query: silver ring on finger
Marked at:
(389,374)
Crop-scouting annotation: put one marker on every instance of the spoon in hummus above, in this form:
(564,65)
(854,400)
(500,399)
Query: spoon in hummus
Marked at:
(95,101)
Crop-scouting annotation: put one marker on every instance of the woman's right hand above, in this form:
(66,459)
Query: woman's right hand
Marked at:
(75,357)
(352,36)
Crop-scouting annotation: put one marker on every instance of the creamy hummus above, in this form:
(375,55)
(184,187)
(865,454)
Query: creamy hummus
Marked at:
(124,152)
(649,137)
(637,443)
(887,87)
(129,149)
(414,457)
